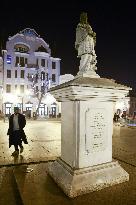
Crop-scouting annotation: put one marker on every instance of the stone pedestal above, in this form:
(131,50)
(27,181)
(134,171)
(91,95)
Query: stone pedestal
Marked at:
(86,137)
(86,132)
(75,182)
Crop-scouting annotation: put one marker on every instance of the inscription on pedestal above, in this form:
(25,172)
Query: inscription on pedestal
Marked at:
(95,130)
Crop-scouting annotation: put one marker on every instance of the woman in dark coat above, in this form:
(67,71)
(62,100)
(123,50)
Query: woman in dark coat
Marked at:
(16,133)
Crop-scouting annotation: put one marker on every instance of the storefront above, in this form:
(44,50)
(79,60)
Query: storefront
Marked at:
(28,111)
(8,109)
(53,109)
(43,110)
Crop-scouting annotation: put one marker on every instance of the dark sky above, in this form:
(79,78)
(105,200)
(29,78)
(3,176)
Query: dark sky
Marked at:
(113,22)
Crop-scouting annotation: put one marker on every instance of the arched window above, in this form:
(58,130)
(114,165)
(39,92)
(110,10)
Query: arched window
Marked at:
(21,48)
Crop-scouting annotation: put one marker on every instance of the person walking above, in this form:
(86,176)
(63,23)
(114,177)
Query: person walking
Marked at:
(16,133)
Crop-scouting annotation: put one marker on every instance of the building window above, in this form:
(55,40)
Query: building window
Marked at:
(53,65)
(29,76)
(22,62)
(15,73)
(22,73)
(36,89)
(43,62)
(17,61)
(36,78)
(21,48)
(21,88)
(8,73)
(53,77)
(8,88)
(37,62)
(25,60)
(15,87)
(47,76)
(42,75)
(42,89)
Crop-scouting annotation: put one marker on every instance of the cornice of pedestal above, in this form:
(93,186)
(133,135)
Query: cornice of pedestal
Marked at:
(85,88)
(86,93)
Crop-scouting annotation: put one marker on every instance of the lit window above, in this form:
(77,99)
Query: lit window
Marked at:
(42,75)
(15,87)
(17,61)
(22,73)
(22,62)
(8,88)
(21,88)
(21,48)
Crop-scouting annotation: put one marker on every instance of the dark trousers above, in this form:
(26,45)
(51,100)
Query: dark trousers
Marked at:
(17,140)
(16,146)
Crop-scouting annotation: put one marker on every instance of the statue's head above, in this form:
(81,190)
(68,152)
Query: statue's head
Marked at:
(83,18)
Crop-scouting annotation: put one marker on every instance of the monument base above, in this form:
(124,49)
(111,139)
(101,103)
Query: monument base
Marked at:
(89,74)
(82,181)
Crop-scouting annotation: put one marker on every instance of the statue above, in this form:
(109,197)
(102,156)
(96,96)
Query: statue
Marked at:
(85,42)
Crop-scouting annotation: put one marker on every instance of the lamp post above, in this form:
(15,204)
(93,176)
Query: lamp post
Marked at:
(22,104)
(1,88)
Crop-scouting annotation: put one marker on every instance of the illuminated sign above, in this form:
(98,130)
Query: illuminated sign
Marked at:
(8,59)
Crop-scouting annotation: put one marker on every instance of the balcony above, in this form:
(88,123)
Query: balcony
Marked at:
(32,66)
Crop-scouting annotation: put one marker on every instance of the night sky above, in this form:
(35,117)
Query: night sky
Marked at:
(113,22)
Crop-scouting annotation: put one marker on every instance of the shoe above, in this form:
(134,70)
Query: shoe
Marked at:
(15,153)
(21,149)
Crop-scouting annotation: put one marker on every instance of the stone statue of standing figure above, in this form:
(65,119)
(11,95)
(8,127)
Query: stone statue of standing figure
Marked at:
(85,42)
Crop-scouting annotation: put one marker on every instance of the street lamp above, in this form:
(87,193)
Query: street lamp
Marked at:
(22,104)
(1,98)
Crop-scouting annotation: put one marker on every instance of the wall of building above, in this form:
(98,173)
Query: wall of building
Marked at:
(25,54)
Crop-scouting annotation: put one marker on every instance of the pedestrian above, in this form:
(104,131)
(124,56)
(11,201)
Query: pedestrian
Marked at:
(16,133)
(115,117)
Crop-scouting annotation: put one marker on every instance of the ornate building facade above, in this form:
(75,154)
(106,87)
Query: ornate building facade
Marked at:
(27,53)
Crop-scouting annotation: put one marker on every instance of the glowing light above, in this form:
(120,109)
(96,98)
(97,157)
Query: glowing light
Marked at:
(49,99)
(119,105)
(28,92)
(122,104)
(8,59)
(10,97)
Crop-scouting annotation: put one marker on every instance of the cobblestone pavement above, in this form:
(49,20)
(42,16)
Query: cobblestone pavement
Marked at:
(43,138)
(37,188)
(124,144)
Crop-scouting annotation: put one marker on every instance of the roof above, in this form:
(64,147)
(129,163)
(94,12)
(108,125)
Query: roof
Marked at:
(29,31)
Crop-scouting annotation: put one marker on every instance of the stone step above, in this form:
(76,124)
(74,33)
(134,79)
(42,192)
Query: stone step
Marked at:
(36,187)
(9,194)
